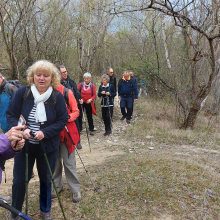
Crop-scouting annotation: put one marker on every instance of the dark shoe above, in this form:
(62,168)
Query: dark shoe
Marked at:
(107,133)
(59,190)
(122,118)
(46,216)
(128,121)
(77,197)
(91,132)
(79,146)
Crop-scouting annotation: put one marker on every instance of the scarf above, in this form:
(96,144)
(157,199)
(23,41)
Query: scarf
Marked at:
(39,100)
(84,86)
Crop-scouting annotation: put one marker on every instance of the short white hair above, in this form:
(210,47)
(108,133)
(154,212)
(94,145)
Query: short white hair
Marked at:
(87,74)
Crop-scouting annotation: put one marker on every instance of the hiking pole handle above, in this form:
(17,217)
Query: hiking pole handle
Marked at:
(8,207)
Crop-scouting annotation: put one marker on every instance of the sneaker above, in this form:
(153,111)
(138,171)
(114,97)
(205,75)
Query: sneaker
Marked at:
(77,197)
(79,146)
(46,216)
(122,118)
(128,121)
(107,133)
(91,132)
(59,190)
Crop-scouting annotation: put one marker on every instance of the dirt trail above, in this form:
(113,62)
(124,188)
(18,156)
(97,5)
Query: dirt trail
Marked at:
(100,148)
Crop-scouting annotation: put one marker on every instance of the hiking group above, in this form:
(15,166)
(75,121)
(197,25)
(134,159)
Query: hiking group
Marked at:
(53,107)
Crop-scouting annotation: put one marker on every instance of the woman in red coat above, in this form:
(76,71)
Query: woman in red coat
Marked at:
(88,94)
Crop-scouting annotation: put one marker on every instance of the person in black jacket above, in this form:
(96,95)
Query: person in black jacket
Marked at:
(71,84)
(112,81)
(106,93)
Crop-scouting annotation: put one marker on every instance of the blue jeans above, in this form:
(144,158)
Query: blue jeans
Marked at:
(126,103)
(18,187)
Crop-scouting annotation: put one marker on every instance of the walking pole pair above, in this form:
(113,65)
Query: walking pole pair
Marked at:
(109,113)
(5,205)
(51,175)
(95,188)
(86,127)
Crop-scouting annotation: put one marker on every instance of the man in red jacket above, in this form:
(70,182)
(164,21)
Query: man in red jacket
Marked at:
(67,149)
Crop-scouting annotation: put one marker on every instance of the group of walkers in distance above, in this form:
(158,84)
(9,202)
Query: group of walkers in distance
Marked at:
(53,107)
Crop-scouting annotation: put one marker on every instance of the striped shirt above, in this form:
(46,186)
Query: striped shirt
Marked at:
(33,125)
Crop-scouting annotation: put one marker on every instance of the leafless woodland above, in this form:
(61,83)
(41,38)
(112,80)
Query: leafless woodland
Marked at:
(173,44)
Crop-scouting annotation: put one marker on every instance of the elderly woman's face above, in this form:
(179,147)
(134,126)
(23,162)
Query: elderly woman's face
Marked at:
(42,80)
(104,81)
(87,79)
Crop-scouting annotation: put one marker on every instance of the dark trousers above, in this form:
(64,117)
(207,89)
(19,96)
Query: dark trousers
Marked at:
(126,107)
(88,109)
(106,112)
(79,119)
(18,187)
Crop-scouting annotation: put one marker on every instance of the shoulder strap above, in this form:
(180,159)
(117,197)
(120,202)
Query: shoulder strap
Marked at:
(92,88)
(66,97)
(26,93)
(6,90)
(81,86)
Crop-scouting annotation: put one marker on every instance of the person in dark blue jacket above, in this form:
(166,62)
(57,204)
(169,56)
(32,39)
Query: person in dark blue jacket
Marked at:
(107,93)
(45,112)
(126,89)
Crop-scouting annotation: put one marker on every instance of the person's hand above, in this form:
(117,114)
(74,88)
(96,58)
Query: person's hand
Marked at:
(81,101)
(19,146)
(27,133)
(103,92)
(88,101)
(119,97)
(15,133)
(39,135)
(107,93)
(135,100)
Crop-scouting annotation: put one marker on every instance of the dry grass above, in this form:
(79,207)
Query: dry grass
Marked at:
(168,182)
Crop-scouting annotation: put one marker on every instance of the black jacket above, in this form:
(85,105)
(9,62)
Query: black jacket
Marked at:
(113,81)
(71,84)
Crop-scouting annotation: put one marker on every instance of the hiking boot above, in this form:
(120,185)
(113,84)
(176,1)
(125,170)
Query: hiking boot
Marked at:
(59,190)
(128,121)
(6,198)
(46,216)
(107,133)
(122,118)
(79,146)
(77,197)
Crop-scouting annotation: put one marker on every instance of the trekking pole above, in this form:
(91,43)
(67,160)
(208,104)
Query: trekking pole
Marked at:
(95,188)
(51,175)
(5,205)
(86,127)
(26,179)
(109,113)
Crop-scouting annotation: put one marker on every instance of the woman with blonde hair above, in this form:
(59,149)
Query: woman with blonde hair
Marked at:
(44,110)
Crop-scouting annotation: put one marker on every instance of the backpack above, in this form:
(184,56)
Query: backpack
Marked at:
(15,83)
(82,86)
